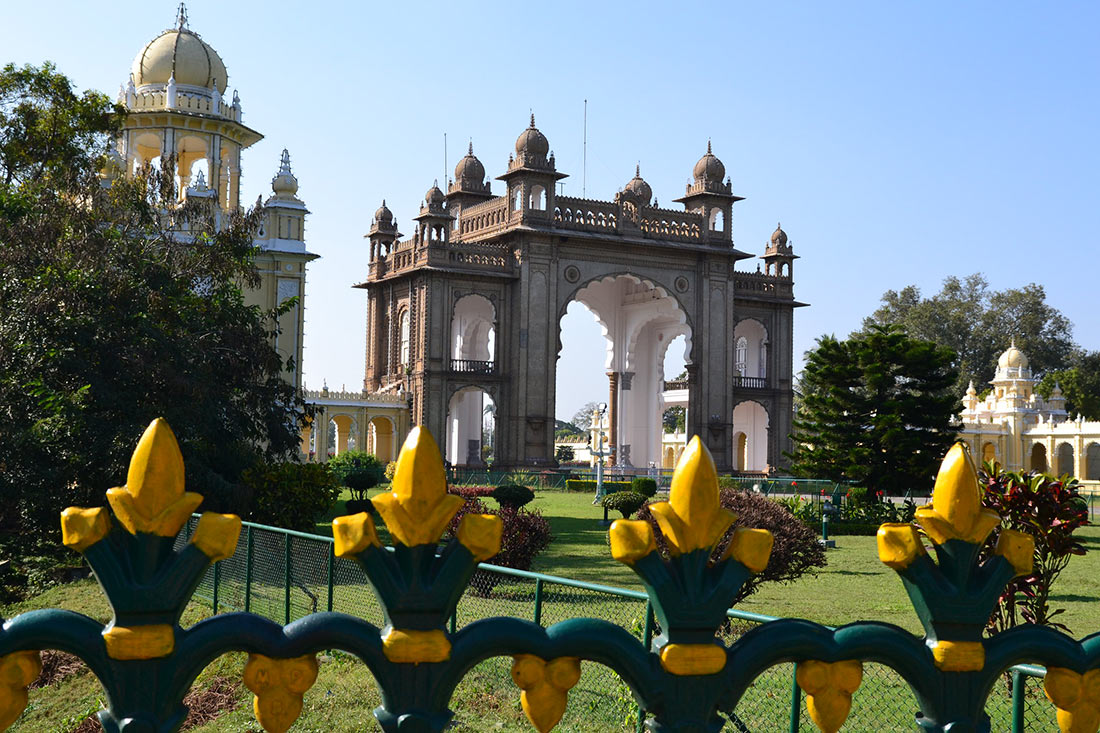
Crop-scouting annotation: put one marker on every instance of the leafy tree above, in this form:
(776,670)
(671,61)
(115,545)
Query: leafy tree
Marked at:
(1080,385)
(565,453)
(673,419)
(877,410)
(582,418)
(977,324)
(109,319)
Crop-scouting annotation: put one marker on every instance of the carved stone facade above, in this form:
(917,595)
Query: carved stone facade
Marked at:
(472,303)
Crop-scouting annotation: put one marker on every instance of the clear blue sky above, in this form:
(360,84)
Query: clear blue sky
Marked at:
(898,143)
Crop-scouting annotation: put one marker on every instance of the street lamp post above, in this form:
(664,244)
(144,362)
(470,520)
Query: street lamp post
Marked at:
(600,453)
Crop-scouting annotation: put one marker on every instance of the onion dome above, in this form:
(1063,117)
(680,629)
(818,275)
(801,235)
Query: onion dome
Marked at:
(779,237)
(179,53)
(434,197)
(470,168)
(709,168)
(638,188)
(284,183)
(1012,358)
(383,215)
(532,143)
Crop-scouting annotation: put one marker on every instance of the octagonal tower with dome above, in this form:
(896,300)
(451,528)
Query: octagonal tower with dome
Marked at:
(463,314)
(176,107)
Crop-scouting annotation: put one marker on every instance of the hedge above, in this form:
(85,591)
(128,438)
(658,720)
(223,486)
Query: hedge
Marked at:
(609,487)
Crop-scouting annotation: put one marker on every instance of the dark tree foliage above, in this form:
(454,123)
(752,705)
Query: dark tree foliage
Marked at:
(1080,384)
(524,535)
(358,470)
(795,550)
(673,419)
(625,502)
(1051,511)
(878,410)
(978,324)
(109,320)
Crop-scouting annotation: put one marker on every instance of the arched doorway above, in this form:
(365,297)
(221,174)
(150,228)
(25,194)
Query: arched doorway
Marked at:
(380,439)
(1039,457)
(471,428)
(1065,459)
(1092,462)
(750,428)
(342,434)
(473,334)
(750,351)
(639,322)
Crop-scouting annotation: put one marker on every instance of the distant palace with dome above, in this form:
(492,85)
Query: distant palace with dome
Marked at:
(1019,429)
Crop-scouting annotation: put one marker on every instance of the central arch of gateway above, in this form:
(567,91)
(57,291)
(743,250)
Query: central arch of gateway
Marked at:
(463,315)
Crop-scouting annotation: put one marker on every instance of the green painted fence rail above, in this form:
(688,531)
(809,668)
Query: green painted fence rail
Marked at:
(313,552)
(422,615)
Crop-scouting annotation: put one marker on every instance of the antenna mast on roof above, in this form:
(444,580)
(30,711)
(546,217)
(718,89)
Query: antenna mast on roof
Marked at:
(584,150)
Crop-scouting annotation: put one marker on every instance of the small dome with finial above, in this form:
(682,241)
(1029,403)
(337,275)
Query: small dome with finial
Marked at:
(434,196)
(470,169)
(531,142)
(709,168)
(1012,358)
(638,188)
(284,182)
(779,237)
(180,54)
(383,215)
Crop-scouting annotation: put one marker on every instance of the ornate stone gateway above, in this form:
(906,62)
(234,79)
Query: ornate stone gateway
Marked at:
(465,314)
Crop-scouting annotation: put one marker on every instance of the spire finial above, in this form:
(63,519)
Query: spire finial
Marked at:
(532,119)
(637,170)
(470,149)
(181,16)
(708,147)
(284,163)
(383,202)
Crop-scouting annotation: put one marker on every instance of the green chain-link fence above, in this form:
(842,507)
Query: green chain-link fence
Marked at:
(285,575)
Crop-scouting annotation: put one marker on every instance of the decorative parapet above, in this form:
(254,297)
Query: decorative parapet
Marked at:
(147,662)
(756,284)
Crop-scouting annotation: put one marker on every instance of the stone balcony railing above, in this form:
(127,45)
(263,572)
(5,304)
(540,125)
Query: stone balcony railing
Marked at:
(758,284)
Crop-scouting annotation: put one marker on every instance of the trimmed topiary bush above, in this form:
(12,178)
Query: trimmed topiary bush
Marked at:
(795,551)
(643,485)
(587,485)
(358,470)
(625,502)
(290,495)
(513,495)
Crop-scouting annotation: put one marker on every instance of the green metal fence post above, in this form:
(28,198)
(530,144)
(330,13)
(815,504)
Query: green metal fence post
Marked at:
(286,575)
(538,601)
(796,701)
(248,569)
(331,564)
(647,639)
(1017,701)
(217,578)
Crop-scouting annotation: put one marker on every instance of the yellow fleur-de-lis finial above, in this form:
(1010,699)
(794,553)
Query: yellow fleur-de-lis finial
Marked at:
(956,510)
(419,508)
(829,689)
(154,500)
(692,518)
(1077,697)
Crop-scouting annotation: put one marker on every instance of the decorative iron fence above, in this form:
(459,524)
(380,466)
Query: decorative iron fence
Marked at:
(690,663)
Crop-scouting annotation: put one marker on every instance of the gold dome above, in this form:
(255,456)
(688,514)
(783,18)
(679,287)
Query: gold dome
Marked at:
(181,53)
(1012,358)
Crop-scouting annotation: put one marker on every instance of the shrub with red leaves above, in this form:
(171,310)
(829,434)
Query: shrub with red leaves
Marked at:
(525,533)
(1048,509)
(795,550)
(471,492)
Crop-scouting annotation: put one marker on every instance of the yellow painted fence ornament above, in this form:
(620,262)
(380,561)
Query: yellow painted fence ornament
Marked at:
(829,688)
(692,518)
(956,511)
(278,686)
(545,687)
(17,670)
